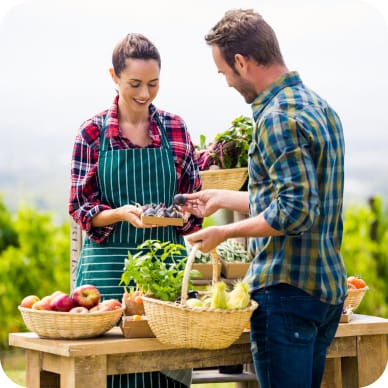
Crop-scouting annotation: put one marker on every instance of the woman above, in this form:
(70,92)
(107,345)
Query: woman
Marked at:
(132,153)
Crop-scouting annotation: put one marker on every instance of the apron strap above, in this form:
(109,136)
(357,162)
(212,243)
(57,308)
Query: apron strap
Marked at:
(162,131)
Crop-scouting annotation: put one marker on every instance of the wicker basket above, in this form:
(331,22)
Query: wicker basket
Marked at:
(228,178)
(65,325)
(354,298)
(196,327)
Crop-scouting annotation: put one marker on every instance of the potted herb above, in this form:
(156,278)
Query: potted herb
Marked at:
(229,148)
(157,269)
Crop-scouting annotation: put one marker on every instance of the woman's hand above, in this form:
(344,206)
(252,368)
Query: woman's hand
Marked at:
(132,214)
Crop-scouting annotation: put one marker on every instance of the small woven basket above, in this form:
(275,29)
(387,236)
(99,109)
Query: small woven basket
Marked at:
(65,325)
(196,327)
(354,298)
(227,178)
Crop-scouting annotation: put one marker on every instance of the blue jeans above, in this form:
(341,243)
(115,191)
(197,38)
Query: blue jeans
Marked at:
(290,334)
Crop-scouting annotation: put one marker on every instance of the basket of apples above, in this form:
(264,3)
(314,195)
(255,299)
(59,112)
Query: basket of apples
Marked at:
(80,314)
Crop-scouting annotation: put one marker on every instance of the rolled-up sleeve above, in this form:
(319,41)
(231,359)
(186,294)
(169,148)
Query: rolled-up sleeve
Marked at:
(84,201)
(288,160)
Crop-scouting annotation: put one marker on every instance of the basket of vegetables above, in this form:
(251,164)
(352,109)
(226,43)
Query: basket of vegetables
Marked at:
(214,321)
(356,292)
(223,163)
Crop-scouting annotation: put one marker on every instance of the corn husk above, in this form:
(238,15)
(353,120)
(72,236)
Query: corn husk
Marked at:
(239,297)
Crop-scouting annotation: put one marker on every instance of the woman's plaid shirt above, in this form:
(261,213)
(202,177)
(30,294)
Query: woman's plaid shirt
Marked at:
(85,201)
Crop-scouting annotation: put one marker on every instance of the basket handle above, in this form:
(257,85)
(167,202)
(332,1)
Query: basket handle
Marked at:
(189,263)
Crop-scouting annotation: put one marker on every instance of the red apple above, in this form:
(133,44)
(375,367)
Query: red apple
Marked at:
(113,304)
(86,295)
(55,293)
(79,310)
(29,300)
(101,307)
(43,304)
(62,302)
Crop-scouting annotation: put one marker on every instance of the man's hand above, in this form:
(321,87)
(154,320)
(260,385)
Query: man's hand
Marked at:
(201,204)
(207,238)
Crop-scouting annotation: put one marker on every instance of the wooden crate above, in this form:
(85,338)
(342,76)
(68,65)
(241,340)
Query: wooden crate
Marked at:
(136,329)
(206,270)
(233,270)
(162,221)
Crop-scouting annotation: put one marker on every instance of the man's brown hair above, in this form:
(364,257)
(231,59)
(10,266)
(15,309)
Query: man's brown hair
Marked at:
(245,32)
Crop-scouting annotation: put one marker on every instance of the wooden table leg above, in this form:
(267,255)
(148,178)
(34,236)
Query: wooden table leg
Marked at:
(84,372)
(35,376)
(349,367)
(369,364)
(332,377)
(372,358)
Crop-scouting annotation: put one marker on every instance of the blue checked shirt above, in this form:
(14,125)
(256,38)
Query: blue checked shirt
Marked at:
(296,178)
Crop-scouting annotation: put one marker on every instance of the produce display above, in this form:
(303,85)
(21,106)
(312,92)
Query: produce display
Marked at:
(219,297)
(355,282)
(133,302)
(161,210)
(85,299)
(357,288)
(229,149)
(179,199)
(231,251)
(160,214)
(156,270)
(200,257)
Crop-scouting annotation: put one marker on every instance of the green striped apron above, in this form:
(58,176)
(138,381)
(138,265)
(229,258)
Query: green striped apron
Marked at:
(127,176)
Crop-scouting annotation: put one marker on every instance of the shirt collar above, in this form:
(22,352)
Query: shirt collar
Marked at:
(112,120)
(264,97)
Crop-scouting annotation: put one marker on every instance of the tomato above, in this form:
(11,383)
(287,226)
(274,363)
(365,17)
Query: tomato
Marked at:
(356,282)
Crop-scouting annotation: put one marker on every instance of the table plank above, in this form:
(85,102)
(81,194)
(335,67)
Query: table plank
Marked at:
(112,342)
(179,359)
(363,325)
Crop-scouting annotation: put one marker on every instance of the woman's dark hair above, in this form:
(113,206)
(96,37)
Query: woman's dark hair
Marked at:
(245,32)
(135,46)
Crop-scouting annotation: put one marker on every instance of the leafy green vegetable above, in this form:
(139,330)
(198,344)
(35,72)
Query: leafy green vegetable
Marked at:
(157,269)
(231,250)
(229,149)
(200,257)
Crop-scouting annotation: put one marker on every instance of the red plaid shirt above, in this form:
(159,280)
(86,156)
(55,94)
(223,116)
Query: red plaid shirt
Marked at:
(85,201)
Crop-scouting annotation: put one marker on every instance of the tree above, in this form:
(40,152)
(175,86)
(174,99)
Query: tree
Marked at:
(8,235)
(365,252)
(38,265)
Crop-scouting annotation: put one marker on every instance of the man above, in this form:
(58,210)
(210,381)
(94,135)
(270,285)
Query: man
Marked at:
(294,202)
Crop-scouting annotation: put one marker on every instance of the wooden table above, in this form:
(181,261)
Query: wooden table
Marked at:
(356,358)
